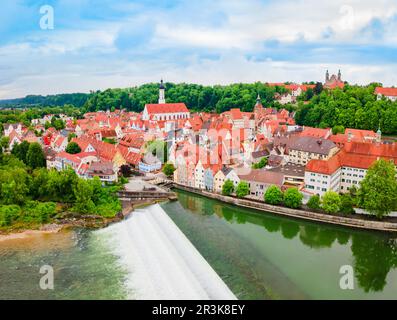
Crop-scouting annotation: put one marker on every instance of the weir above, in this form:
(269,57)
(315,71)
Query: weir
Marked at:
(161,262)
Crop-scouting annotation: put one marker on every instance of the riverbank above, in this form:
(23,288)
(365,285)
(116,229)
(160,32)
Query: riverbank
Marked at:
(352,222)
(73,220)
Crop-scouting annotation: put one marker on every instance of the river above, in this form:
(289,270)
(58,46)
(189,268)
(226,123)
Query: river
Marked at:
(257,255)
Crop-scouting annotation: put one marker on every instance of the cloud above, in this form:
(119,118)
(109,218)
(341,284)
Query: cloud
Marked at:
(103,43)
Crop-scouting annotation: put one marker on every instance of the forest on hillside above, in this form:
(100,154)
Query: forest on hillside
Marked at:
(75,99)
(353,107)
(196,97)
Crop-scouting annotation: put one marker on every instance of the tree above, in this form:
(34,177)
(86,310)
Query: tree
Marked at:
(347,204)
(378,192)
(168,169)
(73,148)
(318,88)
(331,202)
(4,142)
(242,189)
(21,150)
(125,170)
(273,195)
(293,198)
(261,164)
(71,136)
(228,188)
(338,129)
(35,156)
(83,192)
(314,202)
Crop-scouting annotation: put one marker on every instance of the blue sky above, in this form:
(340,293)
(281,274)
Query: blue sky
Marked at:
(103,43)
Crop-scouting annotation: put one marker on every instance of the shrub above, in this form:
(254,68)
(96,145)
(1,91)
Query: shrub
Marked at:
(347,204)
(242,189)
(227,188)
(293,198)
(314,202)
(331,202)
(9,214)
(274,195)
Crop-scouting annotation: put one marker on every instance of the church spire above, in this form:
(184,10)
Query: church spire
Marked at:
(161,92)
(327,76)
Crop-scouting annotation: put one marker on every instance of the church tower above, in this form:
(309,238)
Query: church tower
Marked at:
(379,135)
(326,76)
(161,92)
(339,76)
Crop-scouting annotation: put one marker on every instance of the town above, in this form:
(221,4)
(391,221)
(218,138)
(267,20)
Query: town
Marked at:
(231,153)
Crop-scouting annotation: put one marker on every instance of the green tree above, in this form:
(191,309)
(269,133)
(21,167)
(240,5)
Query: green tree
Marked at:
(242,189)
(4,142)
(314,202)
(331,202)
(35,156)
(228,188)
(71,136)
(378,190)
(73,148)
(168,169)
(274,195)
(83,193)
(21,150)
(261,164)
(347,204)
(293,198)
(338,129)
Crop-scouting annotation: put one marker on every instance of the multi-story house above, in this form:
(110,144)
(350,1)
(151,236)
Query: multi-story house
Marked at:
(347,168)
(259,180)
(304,149)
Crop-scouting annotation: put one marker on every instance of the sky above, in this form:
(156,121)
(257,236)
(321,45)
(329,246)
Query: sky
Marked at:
(100,44)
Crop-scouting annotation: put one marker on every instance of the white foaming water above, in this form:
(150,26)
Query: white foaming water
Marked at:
(161,261)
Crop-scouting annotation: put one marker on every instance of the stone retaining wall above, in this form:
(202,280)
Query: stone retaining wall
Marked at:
(301,214)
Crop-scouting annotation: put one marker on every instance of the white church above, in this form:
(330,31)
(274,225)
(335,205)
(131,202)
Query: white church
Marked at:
(163,111)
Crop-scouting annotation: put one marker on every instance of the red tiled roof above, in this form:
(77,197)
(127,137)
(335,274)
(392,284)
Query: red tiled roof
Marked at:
(388,92)
(315,132)
(355,155)
(166,108)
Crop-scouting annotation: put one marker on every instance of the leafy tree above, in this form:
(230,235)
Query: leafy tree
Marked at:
(228,188)
(347,204)
(83,193)
(314,202)
(4,142)
(331,202)
(168,169)
(274,195)
(35,156)
(71,136)
(378,190)
(318,88)
(73,148)
(21,150)
(125,170)
(293,198)
(261,164)
(338,129)
(242,189)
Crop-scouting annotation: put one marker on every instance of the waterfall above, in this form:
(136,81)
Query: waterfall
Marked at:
(161,261)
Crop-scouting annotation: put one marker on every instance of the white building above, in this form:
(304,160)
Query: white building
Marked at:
(389,93)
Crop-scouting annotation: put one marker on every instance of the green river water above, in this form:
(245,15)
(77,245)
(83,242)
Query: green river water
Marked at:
(258,255)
